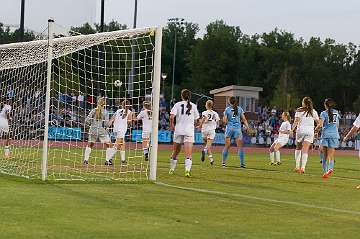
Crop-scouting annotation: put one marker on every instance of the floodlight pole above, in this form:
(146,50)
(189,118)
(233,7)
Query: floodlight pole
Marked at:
(102,15)
(132,72)
(47,101)
(22,20)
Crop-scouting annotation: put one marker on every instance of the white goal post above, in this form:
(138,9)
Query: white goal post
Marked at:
(66,94)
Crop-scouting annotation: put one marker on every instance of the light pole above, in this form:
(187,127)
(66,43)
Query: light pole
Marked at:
(178,23)
(102,15)
(132,72)
(22,20)
(163,76)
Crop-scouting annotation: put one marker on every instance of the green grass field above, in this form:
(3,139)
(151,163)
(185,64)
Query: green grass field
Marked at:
(261,201)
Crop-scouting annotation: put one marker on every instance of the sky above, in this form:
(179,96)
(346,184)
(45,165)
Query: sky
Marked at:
(305,18)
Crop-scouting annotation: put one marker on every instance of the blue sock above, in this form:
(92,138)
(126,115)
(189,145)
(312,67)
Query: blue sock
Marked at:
(323,162)
(331,164)
(225,155)
(241,155)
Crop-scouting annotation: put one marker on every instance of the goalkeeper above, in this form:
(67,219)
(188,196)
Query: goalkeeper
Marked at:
(98,119)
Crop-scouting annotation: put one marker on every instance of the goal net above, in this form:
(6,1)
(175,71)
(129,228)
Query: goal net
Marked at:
(63,103)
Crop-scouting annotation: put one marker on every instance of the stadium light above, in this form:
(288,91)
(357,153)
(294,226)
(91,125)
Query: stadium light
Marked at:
(102,15)
(163,76)
(179,24)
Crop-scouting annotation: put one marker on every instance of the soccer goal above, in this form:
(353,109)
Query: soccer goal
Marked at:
(66,96)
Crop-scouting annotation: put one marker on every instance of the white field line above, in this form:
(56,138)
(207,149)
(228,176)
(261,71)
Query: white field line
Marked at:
(305,205)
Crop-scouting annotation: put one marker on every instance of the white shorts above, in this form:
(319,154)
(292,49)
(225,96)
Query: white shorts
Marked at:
(4,125)
(146,134)
(305,136)
(180,139)
(208,134)
(282,141)
(120,134)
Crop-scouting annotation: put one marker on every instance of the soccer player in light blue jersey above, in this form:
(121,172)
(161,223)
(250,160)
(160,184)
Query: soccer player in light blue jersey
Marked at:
(329,122)
(233,115)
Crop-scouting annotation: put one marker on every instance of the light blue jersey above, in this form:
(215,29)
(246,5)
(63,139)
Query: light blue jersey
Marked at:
(233,121)
(330,129)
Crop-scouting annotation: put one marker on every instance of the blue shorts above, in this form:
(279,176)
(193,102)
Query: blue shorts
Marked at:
(234,133)
(330,143)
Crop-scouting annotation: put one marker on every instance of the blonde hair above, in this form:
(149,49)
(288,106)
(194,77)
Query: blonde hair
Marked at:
(209,104)
(147,106)
(100,105)
(125,105)
(287,115)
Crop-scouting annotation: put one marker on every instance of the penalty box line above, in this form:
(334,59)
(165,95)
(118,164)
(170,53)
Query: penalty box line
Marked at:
(276,201)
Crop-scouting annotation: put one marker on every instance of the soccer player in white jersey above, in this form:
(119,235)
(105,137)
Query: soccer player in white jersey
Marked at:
(120,120)
(209,122)
(354,130)
(305,119)
(146,117)
(98,119)
(282,140)
(4,127)
(186,115)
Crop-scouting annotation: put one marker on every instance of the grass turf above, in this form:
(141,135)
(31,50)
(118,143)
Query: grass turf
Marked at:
(261,201)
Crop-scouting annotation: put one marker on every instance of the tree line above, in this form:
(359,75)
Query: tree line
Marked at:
(287,67)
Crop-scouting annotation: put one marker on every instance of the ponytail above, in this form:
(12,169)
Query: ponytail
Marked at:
(186,95)
(233,101)
(307,107)
(99,108)
(329,104)
(124,106)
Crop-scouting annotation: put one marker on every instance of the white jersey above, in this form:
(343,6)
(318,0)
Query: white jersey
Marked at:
(121,120)
(184,122)
(4,111)
(211,120)
(145,117)
(285,126)
(357,122)
(306,123)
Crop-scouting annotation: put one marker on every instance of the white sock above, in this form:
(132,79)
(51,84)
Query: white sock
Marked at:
(7,150)
(211,158)
(87,154)
(173,164)
(272,156)
(109,154)
(188,163)
(122,155)
(297,158)
(304,159)
(277,156)
(146,150)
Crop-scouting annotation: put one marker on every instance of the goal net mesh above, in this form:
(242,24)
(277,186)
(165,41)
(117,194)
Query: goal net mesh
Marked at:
(116,66)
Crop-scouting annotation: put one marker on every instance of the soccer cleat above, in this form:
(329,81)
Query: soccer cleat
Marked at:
(146,156)
(278,163)
(108,163)
(202,155)
(242,166)
(171,171)
(223,165)
(302,171)
(187,174)
(271,163)
(7,157)
(329,172)
(124,162)
(85,163)
(212,162)
(297,170)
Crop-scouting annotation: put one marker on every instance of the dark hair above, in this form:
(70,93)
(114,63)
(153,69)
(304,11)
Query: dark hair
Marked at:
(186,95)
(308,108)
(329,103)
(233,101)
